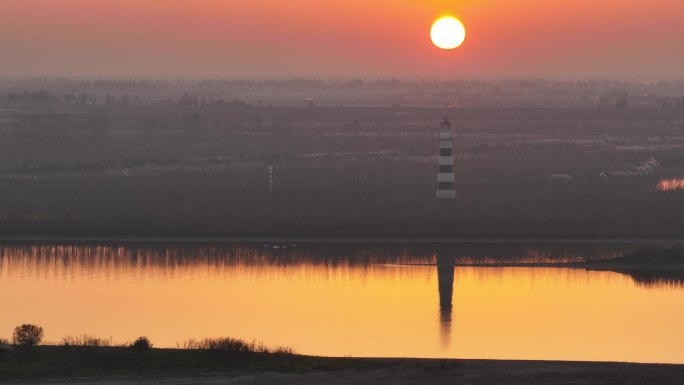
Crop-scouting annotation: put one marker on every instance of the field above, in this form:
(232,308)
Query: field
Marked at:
(340,172)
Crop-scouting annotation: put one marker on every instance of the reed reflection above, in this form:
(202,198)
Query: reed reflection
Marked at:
(177,291)
(95,261)
(163,260)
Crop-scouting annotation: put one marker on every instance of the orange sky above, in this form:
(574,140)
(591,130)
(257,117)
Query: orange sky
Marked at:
(634,39)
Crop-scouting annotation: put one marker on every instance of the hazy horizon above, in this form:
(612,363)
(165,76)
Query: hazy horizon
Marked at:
(343,79)
(639,40)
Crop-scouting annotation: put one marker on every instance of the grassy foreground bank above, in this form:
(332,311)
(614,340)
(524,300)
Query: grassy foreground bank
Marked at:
(123,366)
(43,362)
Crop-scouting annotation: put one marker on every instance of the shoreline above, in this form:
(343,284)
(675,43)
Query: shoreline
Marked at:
(337,240)
(125,366)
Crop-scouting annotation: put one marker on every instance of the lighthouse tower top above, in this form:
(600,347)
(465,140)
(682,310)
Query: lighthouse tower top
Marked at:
(446,124)
(445,132)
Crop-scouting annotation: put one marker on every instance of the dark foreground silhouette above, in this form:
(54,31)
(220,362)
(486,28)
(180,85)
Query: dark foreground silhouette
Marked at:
(122,365)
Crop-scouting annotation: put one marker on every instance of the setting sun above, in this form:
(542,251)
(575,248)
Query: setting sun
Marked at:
(440,189)
(447,33)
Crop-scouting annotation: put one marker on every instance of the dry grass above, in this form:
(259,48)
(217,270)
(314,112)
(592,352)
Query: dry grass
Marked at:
(85,340)
(234,345)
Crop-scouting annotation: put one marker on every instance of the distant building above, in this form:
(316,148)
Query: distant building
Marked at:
(445,175)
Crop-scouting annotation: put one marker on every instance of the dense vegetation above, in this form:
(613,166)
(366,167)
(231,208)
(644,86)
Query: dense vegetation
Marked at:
(342,172)
(657,255)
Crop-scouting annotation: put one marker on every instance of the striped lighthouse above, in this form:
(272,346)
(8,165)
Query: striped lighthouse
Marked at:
(445,175)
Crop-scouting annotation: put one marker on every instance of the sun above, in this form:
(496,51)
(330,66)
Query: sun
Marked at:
(447,32)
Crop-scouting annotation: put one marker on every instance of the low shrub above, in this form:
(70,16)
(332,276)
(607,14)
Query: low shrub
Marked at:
(27,335)
(85,340)
(233,345)
(142,343)
(4,348)
(222,343)
(284,350)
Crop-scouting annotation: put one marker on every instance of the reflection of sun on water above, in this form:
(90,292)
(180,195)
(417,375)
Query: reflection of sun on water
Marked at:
(671,184)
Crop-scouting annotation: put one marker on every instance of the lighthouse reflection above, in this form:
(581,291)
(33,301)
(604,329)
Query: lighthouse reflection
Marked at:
(445,282)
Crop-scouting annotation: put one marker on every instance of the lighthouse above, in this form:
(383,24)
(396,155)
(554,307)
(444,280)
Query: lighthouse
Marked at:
(445,174)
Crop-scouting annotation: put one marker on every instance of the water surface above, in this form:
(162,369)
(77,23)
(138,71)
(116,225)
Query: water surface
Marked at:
(358,300)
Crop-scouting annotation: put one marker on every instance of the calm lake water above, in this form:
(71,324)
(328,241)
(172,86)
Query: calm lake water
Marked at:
(356,300)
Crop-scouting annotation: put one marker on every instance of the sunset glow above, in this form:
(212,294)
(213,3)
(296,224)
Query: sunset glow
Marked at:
(206,38)
(229,191)
(448,33)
